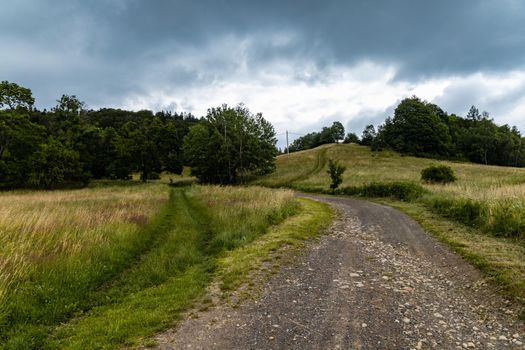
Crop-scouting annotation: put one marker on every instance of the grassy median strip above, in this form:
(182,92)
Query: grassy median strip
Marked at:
(136,316)
(234,268)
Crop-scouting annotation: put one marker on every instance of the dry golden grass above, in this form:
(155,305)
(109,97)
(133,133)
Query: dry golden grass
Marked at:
(241,214)
(485,192)
(38,227)
(230,200)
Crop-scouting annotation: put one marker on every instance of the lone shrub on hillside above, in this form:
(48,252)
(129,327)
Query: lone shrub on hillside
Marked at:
(335,170)
(438,174)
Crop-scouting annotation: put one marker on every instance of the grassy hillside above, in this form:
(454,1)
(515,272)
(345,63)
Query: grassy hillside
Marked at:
(489,197)
(482,214)
(113,264)
(307,170)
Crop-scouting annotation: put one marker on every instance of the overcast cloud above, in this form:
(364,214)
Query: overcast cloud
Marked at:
(303,64)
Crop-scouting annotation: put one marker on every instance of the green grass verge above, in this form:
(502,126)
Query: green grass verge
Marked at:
(234,267)
(136,316)
(505,218)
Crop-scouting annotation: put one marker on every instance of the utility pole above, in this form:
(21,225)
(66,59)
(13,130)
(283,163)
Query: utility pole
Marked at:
(240,155)
(287,146)
(229,159)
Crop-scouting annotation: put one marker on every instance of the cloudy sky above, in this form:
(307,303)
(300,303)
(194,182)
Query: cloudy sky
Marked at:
(303,64)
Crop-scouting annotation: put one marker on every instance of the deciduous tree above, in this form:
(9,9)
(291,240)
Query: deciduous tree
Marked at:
(14,96)
(230,143)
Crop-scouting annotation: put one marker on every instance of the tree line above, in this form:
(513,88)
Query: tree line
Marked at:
(331,134)
(423,129)
(69,145)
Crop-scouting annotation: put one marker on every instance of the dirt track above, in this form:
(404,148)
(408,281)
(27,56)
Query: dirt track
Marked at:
(376,281)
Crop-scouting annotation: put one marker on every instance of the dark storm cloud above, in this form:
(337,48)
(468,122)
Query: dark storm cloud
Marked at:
(423,37)
(104,50)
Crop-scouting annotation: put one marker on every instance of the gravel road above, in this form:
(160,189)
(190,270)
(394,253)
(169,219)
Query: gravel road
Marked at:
(375,281)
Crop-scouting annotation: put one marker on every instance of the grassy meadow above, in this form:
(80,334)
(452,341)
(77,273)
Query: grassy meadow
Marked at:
(486,205)
(57,246)
(495,196)
(108,266)
(307,169)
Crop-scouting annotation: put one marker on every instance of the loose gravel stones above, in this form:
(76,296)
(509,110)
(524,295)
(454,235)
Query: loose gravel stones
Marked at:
(377,281)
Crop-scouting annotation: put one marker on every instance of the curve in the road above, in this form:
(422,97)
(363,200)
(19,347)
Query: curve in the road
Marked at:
(376,281)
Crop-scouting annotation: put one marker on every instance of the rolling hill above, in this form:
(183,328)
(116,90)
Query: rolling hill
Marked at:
(307,170)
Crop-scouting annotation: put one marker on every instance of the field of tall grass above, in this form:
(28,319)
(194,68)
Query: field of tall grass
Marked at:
(308,169)
(489,197)
(55,246)
(43,228)
(134,255)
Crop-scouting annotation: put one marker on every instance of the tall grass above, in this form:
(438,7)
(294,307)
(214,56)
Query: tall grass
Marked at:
(55,247)
(499,202)
(499,216)
(205,223)
(241,214)
(102,249)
